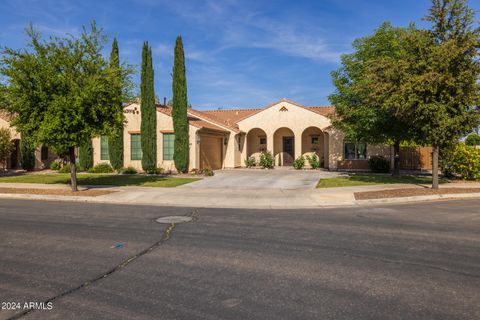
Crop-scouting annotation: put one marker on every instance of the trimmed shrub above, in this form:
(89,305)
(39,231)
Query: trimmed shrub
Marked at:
(465,162)
(101,168)
(128,170)
(473,140)
(6,146)
(208,172)
(445,161)
(379,164)
(56,165)
(266,160)
(156,170)
(66,168)
(27,150)
(314,161)
(159,170)
(85,157)
(299,163)
(250,162)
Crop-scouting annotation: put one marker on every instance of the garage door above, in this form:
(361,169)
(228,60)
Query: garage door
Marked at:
(210,152)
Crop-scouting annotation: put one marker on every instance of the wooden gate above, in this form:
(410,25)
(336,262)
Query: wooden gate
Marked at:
(416,158)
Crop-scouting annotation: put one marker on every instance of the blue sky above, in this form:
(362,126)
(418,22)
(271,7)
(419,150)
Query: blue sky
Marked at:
(240,53)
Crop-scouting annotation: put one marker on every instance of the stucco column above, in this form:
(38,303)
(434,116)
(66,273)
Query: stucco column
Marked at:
(243,154)
(326,150)
(298,145)
(270,142)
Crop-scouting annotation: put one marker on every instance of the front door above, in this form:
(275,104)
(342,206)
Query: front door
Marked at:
(288,151)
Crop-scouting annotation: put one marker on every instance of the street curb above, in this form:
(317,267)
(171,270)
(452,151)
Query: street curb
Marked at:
(353,203)
(420,198)
(17,196)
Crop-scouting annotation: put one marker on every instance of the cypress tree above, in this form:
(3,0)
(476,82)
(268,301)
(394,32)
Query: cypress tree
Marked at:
(179,109)
(147,108)
(27,151)
(85,157)
(115,141)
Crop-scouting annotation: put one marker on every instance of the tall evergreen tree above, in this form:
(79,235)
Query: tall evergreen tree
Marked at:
(115,141)
(85,157)
(147,109)
(179,109)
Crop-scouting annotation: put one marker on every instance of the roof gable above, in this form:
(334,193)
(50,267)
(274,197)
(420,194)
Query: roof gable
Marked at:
(234,116)
(324,111)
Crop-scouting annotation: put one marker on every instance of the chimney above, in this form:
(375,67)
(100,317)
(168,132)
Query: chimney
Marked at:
(164,101)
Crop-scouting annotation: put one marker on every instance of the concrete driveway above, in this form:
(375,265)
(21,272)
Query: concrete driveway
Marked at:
(279,178)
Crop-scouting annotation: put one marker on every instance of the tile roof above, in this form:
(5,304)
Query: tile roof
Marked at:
(222,119)
(192,119)
(323,110)
(232,116)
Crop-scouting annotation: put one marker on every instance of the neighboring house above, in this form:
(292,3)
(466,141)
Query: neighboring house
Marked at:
(225,138)
(43,156)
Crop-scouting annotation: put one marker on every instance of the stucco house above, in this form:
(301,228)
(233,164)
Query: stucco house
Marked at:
(222,139)
(225,138)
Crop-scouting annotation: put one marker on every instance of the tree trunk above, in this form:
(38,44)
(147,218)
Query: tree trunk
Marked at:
(435,166)
(396,159)
(73,170)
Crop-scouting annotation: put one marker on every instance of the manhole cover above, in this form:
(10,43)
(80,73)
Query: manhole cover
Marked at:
(174,219)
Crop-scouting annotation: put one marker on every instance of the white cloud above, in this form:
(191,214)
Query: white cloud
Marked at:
(162,49)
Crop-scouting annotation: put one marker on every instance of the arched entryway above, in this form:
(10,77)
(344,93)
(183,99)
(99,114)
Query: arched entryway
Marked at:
(284,147)
(313,143)
(256,143)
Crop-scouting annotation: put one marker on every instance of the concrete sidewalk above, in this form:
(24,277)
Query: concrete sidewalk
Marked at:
(234,198)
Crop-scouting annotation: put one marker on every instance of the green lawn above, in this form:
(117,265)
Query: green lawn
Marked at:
(101,179)
(370,179)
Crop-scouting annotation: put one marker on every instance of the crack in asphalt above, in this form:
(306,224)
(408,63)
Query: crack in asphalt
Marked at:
(166,236)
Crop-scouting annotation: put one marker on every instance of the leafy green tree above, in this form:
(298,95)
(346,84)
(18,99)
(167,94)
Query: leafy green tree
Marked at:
(6,146)
(27,152)
(62,90)
(85,156)
(473,140)
(442,89)
(149,113)
(432,82)
(364,108)
(179,109)
(115,140)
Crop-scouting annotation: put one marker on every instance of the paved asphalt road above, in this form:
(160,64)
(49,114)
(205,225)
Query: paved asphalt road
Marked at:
(417,261)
